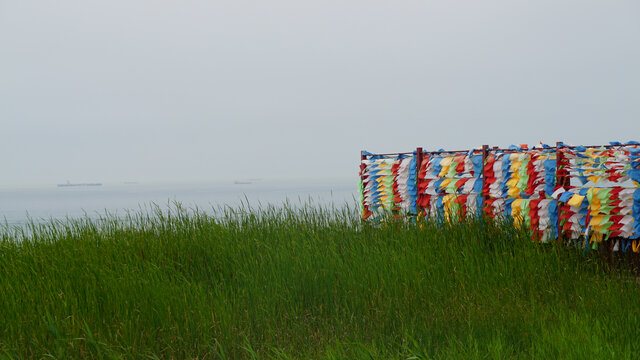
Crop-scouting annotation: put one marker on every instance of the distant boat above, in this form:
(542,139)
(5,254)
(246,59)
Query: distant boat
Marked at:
(69,184)
(237,182)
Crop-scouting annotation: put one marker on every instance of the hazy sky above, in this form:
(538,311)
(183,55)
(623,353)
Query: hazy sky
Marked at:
(188,90)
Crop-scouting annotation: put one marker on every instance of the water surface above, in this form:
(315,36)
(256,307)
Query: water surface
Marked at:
(17,205)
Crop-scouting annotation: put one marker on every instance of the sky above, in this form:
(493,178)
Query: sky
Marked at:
(196,91)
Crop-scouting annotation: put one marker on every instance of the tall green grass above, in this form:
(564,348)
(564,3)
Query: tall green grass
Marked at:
(305,282)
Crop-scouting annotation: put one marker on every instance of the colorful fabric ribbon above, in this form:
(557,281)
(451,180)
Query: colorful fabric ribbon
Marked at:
(388,183)
(450,186)
(583,192)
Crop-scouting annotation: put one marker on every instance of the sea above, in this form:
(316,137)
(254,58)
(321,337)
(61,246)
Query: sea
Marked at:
(21,205)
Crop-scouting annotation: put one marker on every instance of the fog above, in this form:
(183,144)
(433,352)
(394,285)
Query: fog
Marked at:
(186,91)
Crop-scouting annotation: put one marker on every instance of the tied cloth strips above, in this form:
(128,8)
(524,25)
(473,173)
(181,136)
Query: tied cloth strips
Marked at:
(595,165)
(529,174)
(573,213)
(386,185)
(610,212)
(377,184)
(537,215)
(448,187)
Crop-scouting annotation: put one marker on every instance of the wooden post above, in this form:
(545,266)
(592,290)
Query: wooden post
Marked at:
(419,196)
(363,157)
(485,197)
(559,182)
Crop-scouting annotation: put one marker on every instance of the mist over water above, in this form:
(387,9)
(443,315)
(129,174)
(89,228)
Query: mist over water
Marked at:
(18,206)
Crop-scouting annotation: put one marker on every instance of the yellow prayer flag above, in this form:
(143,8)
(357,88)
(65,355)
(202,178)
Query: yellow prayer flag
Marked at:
(516,212)
(444,170)
(517,203)
(576,200)
(596,237)
(590,152)
(445,183)
(596,220)
(594,178)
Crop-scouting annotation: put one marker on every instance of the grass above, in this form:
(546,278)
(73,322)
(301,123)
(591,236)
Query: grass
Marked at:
(309,282)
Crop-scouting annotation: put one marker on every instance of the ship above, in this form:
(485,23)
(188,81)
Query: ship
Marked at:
(70,184)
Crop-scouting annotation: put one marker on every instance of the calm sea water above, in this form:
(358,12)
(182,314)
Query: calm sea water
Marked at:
(46,203)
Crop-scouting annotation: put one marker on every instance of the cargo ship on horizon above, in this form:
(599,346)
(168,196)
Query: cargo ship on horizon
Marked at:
(70,184)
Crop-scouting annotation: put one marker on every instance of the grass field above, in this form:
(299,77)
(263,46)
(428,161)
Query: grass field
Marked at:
(283,283)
